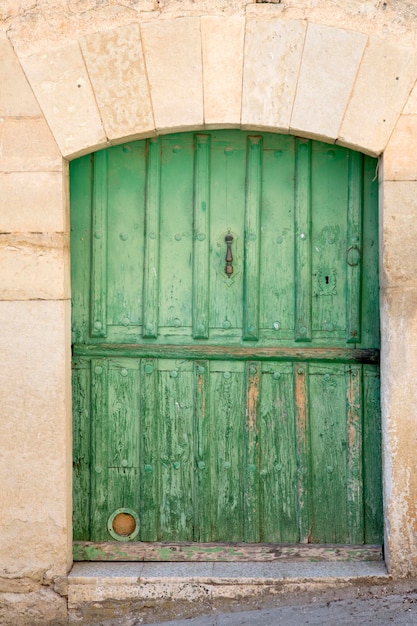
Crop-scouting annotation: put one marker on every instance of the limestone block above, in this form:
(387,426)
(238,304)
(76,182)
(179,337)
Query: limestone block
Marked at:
(116,67)
(411,105)
(273,50)
(385,78)
(16,96)
(32,202)
(173,60)
(35,455)
(400,161)
(34,267)
(329,65)
(41,608)
(399,210)
(62,86)
(222,44)
(27,145)
(399,427)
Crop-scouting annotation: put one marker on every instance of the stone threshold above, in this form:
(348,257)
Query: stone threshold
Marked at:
(99,582)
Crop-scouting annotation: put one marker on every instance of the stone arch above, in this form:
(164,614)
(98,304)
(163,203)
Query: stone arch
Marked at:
(311,78)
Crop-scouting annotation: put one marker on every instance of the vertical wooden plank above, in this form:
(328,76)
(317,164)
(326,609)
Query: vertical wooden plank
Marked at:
(176,450)
(149,452)
(328,453)
(303,240)
(81,189)
(301,397)
(278,462)
(354,462)
(151,261)
(201,239)
(252,239)
(99,450)
(98,302)
(227,410)
(251,530)
(354,248)
(204,439)
(372,456)
(81,449)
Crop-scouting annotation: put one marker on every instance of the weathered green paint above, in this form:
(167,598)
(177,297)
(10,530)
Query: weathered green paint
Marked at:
(226,409)
(137,551)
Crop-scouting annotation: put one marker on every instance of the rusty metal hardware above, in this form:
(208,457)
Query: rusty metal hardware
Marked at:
(229,256)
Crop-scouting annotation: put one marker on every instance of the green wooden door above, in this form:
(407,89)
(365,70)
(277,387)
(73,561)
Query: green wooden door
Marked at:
(225,340)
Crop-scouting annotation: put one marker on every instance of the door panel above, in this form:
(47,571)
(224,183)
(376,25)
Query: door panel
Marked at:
(218,407)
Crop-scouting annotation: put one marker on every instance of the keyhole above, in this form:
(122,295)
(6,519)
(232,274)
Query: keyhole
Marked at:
(327,280)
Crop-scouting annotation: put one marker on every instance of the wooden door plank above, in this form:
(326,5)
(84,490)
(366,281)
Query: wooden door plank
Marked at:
(201,237)
(99,449)
(205,436)
(252,239)
(301,399)
(227,397)
(355,450)
(354,248)
(152,226)
(277,450)
(98,302)
(149,451)
(251,530)
(81,406)
(329,456)
(372,479)
(212,352)
(176,446)
(303,241)
(234,552)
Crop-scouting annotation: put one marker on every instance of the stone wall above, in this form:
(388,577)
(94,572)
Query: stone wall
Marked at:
(77,75)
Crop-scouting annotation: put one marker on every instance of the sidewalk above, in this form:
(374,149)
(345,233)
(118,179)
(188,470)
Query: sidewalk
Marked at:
(397,609)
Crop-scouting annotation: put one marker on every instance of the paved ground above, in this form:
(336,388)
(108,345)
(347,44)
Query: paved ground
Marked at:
(398,609)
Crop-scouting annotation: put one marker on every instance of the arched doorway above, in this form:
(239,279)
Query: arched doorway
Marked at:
(226,343)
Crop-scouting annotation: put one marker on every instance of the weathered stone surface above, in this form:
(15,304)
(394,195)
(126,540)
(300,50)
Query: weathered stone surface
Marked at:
(35,455)
(400,161)
(61,84)
(222,45)
(385,78)
(329,65)
(273,50)
(27,144)
(32,202)
(399,261)
(117,71)
(399,396)
(41,608)
(173,61)
(34,266)
(16,97)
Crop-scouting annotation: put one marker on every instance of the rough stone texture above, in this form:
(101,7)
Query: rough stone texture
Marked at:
(35,454)
(398,400)
(62,86)
(273,52)
(173,60)
(40,608)
(32,202)
(400,161)
(34,267)
(222,48)
(384,81)
(331,58)
(27,144)
(399,260)
(16,97)
(116,67)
